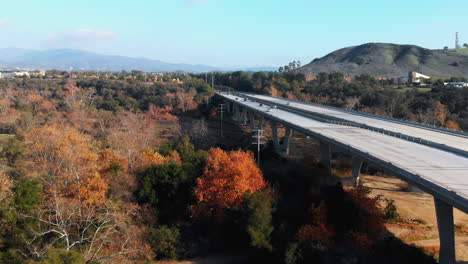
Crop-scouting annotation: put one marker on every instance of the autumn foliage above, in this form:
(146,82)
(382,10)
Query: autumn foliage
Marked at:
(67,163)
(227,177)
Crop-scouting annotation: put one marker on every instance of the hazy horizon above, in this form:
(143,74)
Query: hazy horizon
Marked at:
(228,34)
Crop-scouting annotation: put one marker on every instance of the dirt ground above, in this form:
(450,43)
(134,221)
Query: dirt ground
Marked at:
(215,259)
(418,223)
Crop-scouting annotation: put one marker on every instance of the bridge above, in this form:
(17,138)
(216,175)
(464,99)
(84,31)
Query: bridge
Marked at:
(434,160)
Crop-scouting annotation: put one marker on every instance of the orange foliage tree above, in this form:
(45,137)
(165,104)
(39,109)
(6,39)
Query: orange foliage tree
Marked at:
(319,230)
(75,211)
(67,163)
(452,125)
(227,177)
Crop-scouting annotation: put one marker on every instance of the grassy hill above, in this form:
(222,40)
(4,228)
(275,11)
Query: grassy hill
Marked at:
(388,60)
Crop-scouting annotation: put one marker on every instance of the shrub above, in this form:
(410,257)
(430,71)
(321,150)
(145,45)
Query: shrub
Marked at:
(165,242)
(61,256)
(390,211)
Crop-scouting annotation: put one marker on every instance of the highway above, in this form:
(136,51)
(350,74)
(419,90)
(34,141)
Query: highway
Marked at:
(440,173)
(454,141)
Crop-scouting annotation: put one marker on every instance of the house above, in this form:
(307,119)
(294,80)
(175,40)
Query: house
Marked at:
(40,73)
(417,78)
(21,73)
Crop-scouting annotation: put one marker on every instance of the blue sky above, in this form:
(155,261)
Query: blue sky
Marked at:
(228,33)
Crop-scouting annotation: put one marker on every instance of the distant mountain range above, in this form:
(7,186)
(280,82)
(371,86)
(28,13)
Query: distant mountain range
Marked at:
(78,60)
(389,60)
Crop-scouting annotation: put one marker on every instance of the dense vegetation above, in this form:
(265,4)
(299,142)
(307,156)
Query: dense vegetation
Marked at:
(101,171)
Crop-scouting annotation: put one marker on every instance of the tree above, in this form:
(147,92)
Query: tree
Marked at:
(60,256)
(75,213)
(162,186)
(67,163)
(440,112)
(227,177)
(165,242)
(445,48)
(465,45)
(259,222)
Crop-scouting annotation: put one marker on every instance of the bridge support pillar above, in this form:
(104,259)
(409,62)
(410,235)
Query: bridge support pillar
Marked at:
(326,154)
(274,134)
(280,148)
(244,116)
(228,106)
(412,188)
(357,165)
(237,112)
(444,213)
(287,138)
(252,120)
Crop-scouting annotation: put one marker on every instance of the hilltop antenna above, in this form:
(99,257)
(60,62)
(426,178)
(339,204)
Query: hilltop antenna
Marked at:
(457,41)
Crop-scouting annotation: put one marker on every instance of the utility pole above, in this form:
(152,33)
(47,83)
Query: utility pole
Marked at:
(221,111)
(212,80)
(258,135)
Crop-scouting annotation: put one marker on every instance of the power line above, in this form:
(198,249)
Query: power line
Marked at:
(221,111)
(258,135)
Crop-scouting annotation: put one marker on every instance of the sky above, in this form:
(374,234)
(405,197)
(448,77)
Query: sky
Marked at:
(227,33)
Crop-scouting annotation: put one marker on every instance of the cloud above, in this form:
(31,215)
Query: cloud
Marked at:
(4,22)
(79,38)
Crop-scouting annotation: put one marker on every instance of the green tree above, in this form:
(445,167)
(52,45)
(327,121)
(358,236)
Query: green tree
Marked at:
(165,242)
(165,188)
(27,195)
(12,150)
(61,256)
(259,223)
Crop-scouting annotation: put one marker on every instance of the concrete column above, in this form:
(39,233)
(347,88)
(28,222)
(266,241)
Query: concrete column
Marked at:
(252,120)
(287,138)
(445,224)
(228,106)
(244,116)
(357,165)
(412,188)
(326,152)
(237,112)
(274,132)
(261,121)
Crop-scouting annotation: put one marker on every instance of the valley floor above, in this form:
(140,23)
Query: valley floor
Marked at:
(417,224)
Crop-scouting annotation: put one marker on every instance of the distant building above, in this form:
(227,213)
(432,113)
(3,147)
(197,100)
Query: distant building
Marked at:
(457,84)
(39,73)
(403,79)
(417,78)
(21,74)
(1,75)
